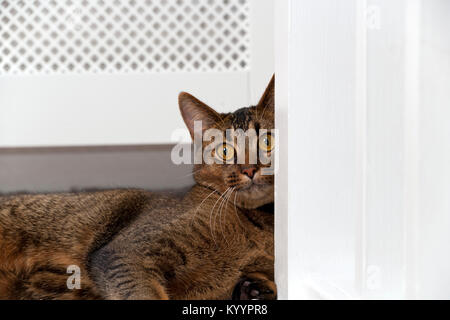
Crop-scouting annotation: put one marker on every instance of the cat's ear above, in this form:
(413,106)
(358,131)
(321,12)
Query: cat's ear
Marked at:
(267,101)
(193,110)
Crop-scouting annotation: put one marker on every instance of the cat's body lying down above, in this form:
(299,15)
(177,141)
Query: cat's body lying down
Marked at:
(211,243)
(130,245)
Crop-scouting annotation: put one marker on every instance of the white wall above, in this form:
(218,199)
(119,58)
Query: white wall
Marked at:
(364,100)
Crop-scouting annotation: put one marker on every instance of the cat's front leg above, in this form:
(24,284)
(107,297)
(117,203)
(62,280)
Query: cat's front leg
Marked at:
(151,290)
(120,276)
(134,285)
(255,286)
(129,284)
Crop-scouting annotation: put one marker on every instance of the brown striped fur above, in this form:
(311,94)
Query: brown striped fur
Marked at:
(133,244)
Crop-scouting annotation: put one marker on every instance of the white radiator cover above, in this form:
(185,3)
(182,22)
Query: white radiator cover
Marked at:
(58,37)
(79,72)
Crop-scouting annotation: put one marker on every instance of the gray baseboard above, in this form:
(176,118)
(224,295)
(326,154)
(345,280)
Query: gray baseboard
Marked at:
(79,168)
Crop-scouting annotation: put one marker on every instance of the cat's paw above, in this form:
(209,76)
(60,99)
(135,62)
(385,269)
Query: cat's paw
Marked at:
(253,288)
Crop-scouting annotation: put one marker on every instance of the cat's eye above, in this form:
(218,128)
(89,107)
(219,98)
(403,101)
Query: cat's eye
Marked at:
(225,152)
(266,142)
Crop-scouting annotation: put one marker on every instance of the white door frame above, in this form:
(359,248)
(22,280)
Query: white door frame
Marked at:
(364,149)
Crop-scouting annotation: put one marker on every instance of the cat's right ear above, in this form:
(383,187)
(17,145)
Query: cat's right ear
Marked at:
(267,101)
(193,110)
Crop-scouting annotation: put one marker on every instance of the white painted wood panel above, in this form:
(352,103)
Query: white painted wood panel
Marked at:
(433,225)
(384,216)
(282,32)
(362,105)
(318,109)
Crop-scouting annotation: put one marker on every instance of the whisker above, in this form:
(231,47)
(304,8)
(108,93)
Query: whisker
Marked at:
(220,212)
(235,211)
(210,217)
(220,216)
(219,208)
(198,208)
(189,174)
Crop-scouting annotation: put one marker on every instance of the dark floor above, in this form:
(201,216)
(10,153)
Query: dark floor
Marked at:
(78,168)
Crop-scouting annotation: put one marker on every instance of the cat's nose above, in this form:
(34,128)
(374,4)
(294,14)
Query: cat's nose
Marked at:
(249,172)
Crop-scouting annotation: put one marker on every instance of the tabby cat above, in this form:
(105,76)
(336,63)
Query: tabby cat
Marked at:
(214,242)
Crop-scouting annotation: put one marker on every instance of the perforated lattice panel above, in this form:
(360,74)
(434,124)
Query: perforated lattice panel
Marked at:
(112,36)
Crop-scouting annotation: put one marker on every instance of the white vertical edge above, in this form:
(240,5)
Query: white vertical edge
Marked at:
(282,29)
(262,53)
(411,145)
(361,143)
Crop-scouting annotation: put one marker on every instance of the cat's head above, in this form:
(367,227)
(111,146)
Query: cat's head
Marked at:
(245,183)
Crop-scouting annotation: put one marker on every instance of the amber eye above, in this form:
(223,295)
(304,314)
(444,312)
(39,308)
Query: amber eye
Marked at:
(225,152)
(266,142)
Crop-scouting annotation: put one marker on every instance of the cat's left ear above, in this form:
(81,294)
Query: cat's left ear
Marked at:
(193,110)
(267,101)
